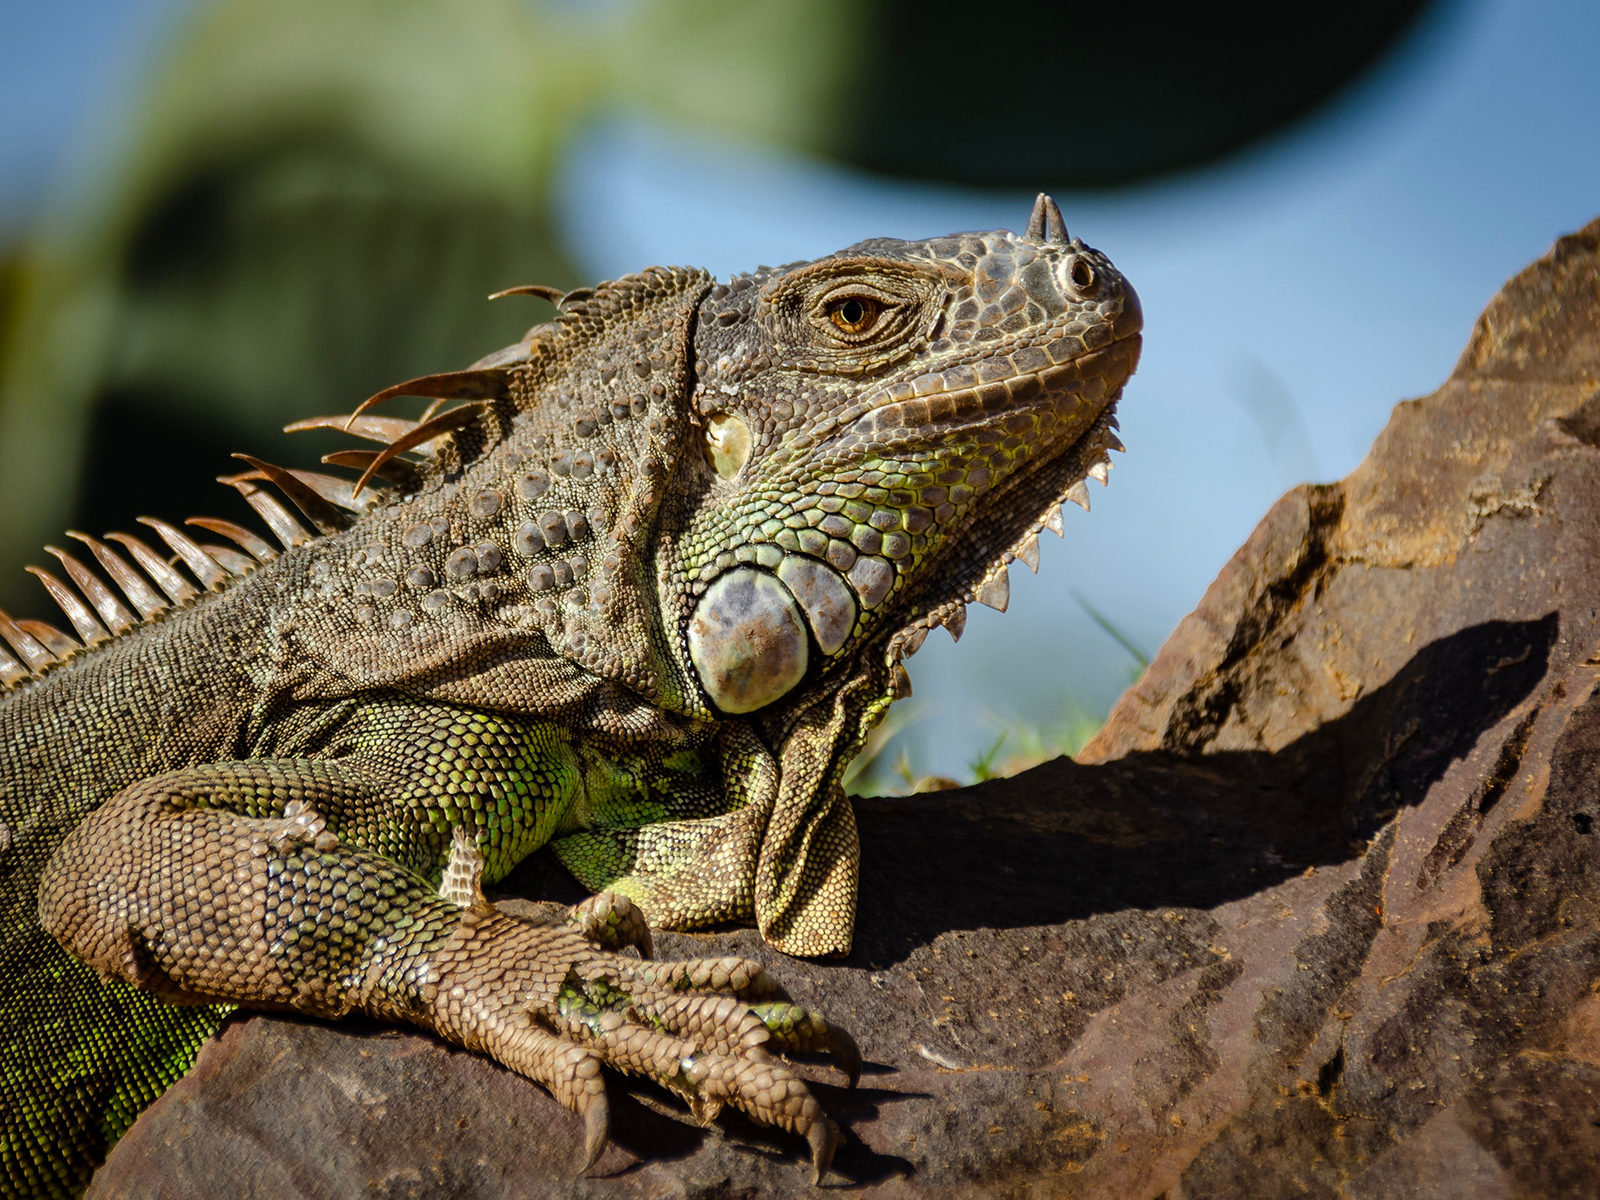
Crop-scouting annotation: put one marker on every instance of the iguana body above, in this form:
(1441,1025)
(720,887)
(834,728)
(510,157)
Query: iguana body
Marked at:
(641,597)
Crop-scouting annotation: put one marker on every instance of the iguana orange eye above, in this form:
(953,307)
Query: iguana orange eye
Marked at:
(854,314)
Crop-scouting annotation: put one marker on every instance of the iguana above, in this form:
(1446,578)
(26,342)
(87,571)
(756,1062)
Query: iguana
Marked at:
(637,587)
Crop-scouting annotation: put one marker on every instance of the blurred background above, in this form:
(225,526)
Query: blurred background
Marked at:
(217,216)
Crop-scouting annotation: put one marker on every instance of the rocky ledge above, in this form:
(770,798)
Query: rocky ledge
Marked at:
(1314,915)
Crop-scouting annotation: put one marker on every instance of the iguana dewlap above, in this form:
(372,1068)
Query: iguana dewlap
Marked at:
(638,587)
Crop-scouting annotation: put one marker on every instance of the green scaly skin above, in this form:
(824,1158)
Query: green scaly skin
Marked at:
(641,598)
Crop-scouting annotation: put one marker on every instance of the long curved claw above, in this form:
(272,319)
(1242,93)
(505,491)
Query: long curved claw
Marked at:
(846,1055)
(824,1138)
(596,1133)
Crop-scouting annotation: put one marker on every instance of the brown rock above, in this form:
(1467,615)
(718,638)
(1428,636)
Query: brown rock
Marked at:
(1314,915)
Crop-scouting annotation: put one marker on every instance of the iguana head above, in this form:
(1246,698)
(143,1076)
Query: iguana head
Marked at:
(880,432)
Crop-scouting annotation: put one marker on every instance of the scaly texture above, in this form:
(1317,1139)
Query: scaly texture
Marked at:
(639,595)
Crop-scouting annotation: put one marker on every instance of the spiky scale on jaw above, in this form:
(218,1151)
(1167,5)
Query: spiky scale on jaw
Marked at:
(641,595)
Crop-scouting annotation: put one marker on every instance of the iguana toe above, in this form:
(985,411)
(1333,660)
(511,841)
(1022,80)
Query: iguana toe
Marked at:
(797,1030)
(741,977)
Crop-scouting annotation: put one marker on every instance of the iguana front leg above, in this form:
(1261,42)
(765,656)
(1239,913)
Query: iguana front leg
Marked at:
(781,849)
(231,882)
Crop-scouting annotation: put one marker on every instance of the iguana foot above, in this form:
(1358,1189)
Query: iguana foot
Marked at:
(551,1004)
(792,1028)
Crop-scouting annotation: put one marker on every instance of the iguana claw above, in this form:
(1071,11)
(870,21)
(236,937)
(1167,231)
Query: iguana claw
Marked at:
(824,1138)
(557,1007)
(845,1053)
(596,1133)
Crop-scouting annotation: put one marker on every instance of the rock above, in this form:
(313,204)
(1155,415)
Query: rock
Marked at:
(1314,915)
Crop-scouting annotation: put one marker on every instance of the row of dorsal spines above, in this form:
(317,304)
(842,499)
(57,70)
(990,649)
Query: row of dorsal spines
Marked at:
(150,585)
(143,586)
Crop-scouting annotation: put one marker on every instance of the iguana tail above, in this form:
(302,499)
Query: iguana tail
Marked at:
(79,1060)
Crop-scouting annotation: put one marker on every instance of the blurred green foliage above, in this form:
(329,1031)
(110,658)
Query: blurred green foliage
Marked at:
(886,768)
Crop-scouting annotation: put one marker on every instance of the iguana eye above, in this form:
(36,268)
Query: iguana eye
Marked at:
(854,314)
(728,444)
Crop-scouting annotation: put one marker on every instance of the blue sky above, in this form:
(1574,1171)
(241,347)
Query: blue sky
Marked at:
(66,69)
(1292,296)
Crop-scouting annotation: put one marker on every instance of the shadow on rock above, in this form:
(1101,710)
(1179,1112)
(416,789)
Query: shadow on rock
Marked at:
(1065,841)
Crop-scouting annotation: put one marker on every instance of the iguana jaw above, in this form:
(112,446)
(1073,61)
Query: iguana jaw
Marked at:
(1057,388)
(1022,512)
(972,563)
